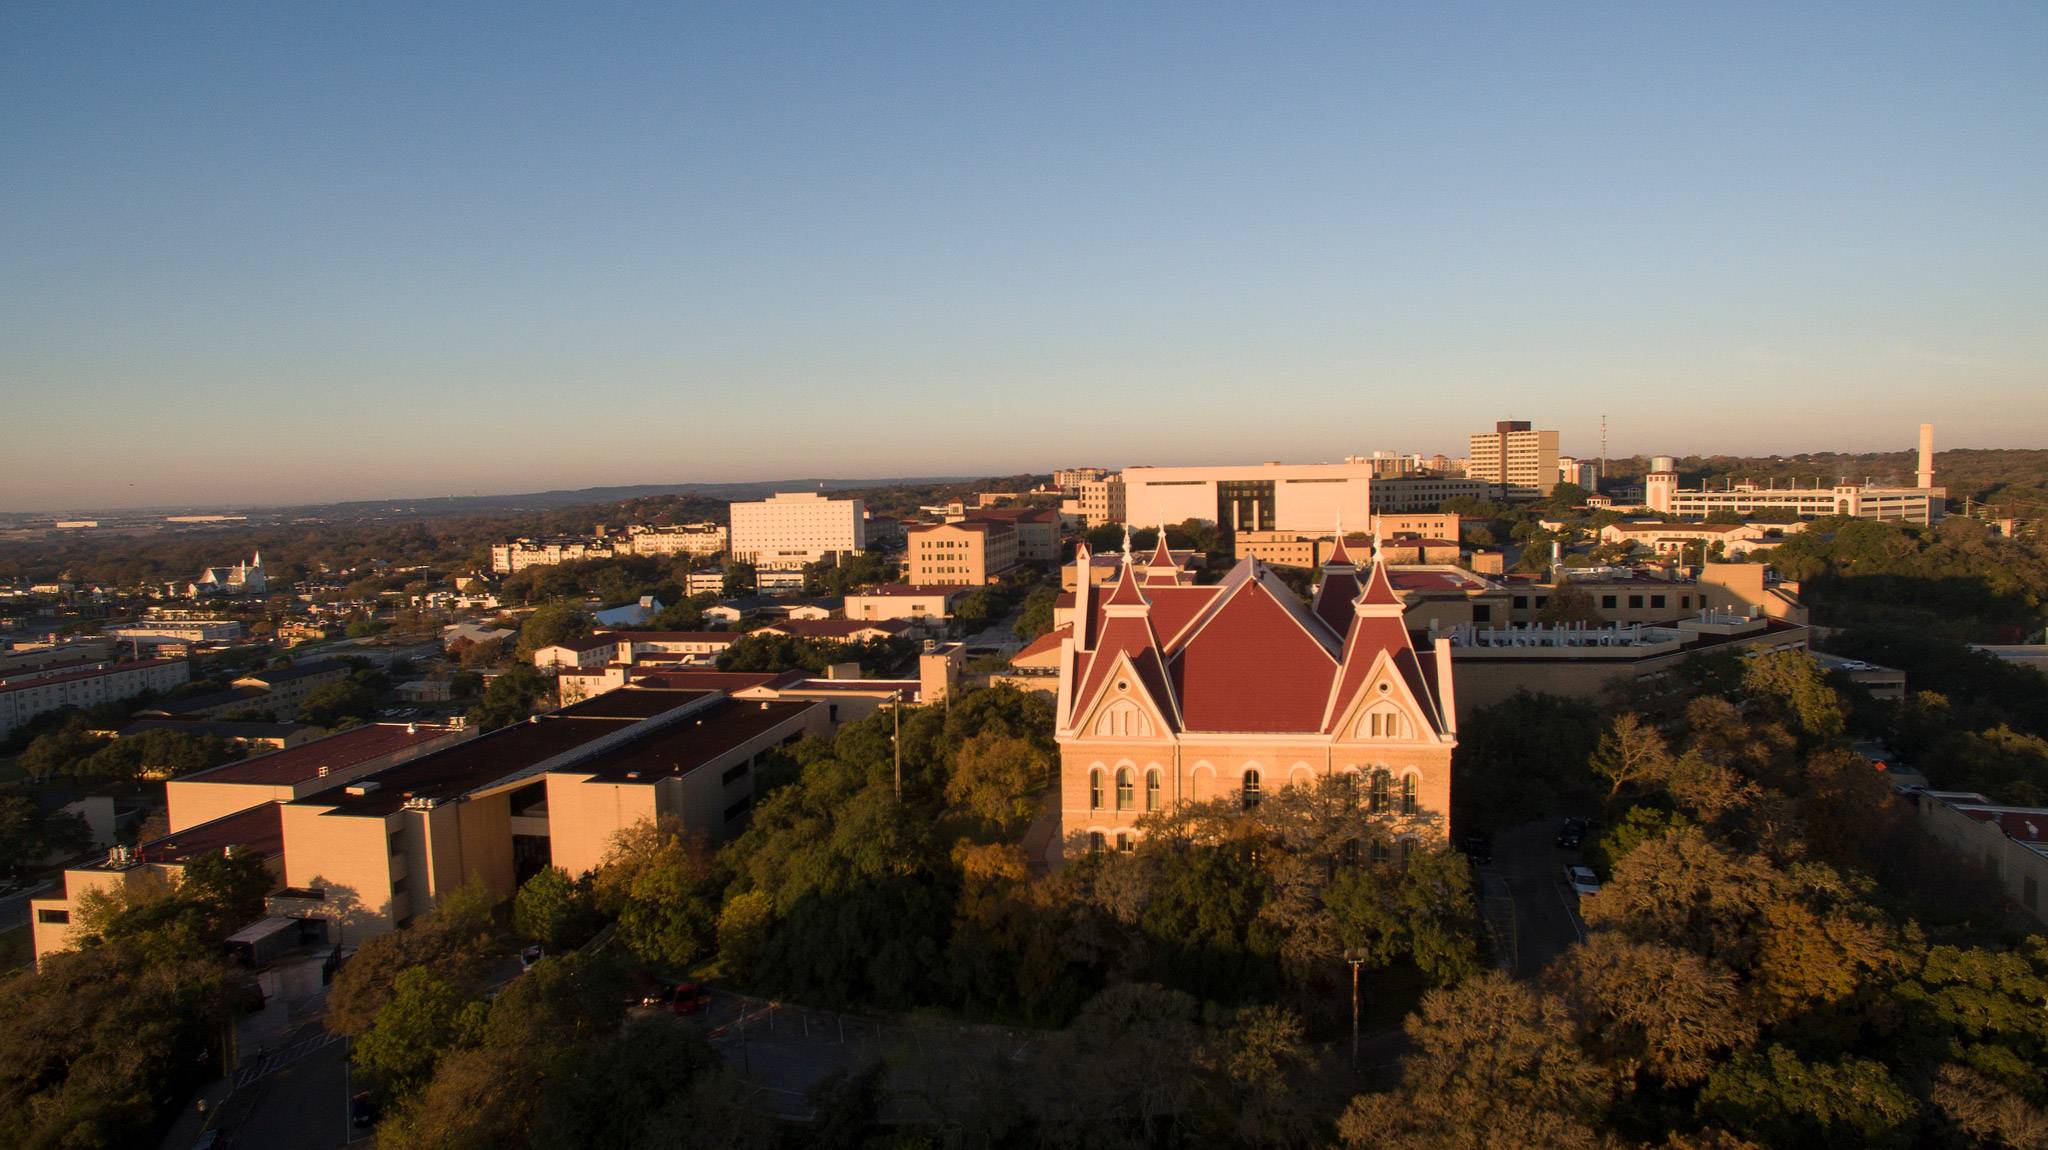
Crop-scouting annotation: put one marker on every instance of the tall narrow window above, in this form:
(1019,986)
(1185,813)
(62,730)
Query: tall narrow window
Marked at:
(1379,850)
(1378,803)
(1124,844)
(1152,790)
(1095,841)
(1251,789)
(1408,805)
(1126,793)
(1095,789)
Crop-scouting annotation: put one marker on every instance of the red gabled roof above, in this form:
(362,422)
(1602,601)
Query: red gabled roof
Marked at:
(1252,665)
(1129,635)
(1126,593)
(1379,592)
(1161,555)
(1333,600)
(1369,636)
(1338,553)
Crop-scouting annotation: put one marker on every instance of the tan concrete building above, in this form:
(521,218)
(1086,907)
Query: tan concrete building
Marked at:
(1921,504)
(1096,502)
(904,601)
(1700,540)
(682,539)
(516,556)
(1172,693)
(1422,493)
(968,553)
(1038,530)
(2011,843)
(1517,461)
(795,528)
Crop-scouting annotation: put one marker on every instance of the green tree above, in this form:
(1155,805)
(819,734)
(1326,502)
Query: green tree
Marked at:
(338,704)
(229,888)
(997,780)
(1793,685)
(1652,1007)
(553,910)
(1784,1100)
(552,623)
(1036,617)
(426,1017)
(28,835)
(511,697)
(1423,911)
(454,941)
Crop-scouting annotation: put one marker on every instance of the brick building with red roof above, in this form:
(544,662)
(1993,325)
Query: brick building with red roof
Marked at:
(1171,692)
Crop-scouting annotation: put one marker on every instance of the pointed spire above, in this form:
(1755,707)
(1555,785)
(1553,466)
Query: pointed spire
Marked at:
(1339,555)
(1126,593)
(1127,545)
(1161,555)
(1379,590)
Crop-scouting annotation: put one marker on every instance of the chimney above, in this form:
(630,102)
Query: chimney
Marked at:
(1926,456)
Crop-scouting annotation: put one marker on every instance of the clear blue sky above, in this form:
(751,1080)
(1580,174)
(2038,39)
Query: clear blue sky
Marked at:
(292,251)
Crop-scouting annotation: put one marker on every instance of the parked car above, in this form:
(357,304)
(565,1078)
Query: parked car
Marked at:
(1582,880)
(1572,835)
(688,998)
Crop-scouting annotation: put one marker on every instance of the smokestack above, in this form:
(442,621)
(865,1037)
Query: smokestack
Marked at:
(1926,456)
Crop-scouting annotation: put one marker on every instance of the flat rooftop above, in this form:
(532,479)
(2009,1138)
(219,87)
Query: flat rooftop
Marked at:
(690,744)
(336,752)
(259,829)
(727,681)
(641,701)
(456,770)
(1434,579)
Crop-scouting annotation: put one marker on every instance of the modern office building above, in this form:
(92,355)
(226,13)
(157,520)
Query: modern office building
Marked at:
(798,527)
(1253,497)
(1516,461)
(1417,494)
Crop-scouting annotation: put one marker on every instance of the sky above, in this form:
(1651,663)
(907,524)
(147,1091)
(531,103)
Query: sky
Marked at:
(265,253)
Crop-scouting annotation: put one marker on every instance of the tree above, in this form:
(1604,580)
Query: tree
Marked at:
(453,941)
(997,780)
(553,910)
(1569,604)
(552,623)
(658,880)
(28,835)
(1631,753)
(425,1017)
(1496,1064)
(338,703)
(1792,684)
(229,888)
(1652,1006)
(511,697)
(1783,1100)
(1036,617)
(1423,911)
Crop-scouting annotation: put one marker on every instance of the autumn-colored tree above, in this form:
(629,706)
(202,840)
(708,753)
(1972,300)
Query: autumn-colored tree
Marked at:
(1632,753)
(1653,1007)
(1496,1063)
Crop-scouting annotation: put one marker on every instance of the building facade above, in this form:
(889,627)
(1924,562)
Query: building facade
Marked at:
(968,553)
(1517,461)
(682,539)
(1415,494)
(1171,693)
(1255,497)
(795,528)
(24,700)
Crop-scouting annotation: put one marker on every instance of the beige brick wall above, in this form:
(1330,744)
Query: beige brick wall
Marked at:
(584,815)
(349,856)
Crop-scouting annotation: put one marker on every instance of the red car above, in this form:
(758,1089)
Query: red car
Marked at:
(689,998)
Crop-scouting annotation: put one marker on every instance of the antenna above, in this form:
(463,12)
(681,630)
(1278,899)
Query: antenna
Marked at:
(1603,452)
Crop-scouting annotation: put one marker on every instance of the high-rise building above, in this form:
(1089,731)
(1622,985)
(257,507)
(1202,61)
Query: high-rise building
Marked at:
(794,528)
(1520,463)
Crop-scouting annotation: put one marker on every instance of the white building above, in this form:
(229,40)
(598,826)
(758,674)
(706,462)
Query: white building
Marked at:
(1923,504)
(682,539)
(791,529)
(241,579)
(22,701)
(1251,497)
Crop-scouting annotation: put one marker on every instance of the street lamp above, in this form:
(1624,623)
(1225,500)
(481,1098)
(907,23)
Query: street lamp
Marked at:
(1356,957)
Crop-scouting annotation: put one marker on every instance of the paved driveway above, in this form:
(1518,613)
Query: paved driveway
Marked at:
(1528,863)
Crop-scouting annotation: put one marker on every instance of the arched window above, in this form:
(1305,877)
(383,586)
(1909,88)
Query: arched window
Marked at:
(1379,850)
(1378,803)
(1152,790)
(1124,845)
(1126,793)
(1095,842)
(1408,804)
(1095,789)
(1251,789)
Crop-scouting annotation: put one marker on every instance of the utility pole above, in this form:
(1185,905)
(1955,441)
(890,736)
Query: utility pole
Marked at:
(1354,957)
(896,740)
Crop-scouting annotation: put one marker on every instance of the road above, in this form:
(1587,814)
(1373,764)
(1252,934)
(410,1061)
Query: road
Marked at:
(14,907)
(1546,919)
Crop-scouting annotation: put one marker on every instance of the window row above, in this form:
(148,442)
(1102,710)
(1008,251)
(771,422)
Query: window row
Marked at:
(1380,794)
